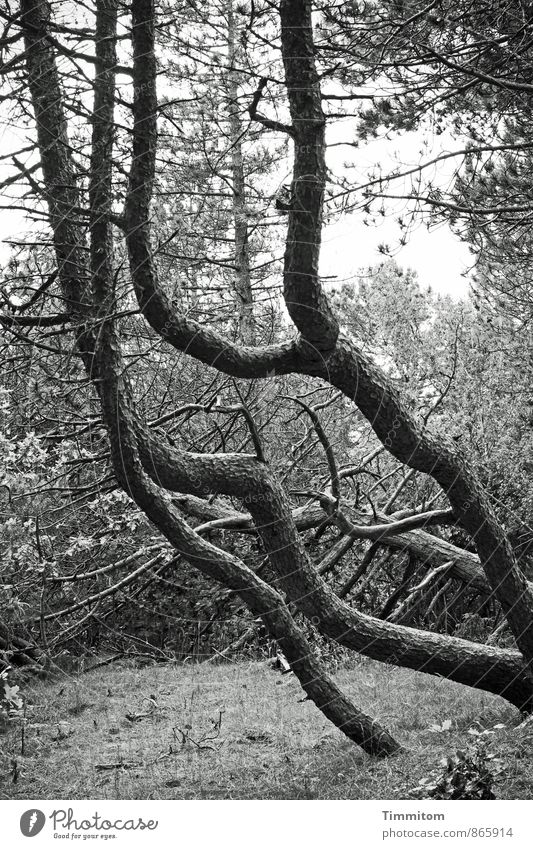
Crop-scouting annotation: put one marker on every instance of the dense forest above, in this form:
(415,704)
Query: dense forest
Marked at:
(211,447)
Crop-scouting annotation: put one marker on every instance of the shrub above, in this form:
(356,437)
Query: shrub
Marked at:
(469,774)
(11,702)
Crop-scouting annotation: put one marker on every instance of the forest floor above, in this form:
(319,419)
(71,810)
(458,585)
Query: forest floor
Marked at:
(242,731)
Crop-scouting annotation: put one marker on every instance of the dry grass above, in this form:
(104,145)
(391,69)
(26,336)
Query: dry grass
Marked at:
(79,742)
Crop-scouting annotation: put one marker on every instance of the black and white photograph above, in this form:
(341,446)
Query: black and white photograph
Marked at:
(266,411)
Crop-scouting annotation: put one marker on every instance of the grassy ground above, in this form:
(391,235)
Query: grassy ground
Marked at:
(80,743)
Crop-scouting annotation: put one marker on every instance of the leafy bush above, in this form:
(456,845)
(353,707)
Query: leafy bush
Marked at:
(469,774)
(11,702)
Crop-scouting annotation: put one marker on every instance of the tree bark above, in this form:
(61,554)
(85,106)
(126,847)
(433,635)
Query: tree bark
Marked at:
(242,283)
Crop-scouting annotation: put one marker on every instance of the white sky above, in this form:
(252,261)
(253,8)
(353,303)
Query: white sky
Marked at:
(438,256)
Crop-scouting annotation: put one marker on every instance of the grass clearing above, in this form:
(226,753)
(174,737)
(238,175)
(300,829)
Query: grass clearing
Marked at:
(123,732)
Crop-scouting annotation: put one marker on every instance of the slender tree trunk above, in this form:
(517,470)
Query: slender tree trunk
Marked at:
(242,281)
(401,589)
